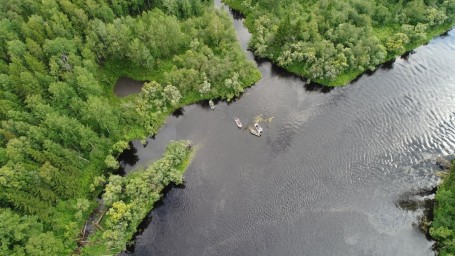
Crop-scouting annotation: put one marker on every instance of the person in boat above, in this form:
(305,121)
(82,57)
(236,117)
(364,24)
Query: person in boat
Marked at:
(258,127)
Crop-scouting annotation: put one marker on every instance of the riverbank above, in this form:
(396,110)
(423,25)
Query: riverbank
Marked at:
(204,71)
(129,199)
(334,43)
(189,82)
(374,140)
(180,70)
(61,125)
(443,225)
(235,74)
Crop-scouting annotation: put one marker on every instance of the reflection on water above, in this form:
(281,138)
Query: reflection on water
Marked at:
(326,177)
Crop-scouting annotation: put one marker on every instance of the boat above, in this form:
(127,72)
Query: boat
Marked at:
(237,121)
(258,127)
(254,131)
(212,105)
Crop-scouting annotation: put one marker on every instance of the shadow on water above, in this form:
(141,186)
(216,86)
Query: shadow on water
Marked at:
(178,112)
(131,247)
(315,87)
(277,71)
(281,72)
(236,14)
(445,34)
(205,103)
(388,65)
(407,54)
(421,200)
(128,157)
(260,60)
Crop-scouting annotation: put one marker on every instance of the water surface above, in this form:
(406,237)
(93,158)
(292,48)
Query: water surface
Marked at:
(126,86)
(325,177)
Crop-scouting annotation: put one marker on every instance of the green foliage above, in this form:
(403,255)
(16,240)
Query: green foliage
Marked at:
(332,42)
(24,235)
(396,43)
(61,128)
(443,226)
(129,199)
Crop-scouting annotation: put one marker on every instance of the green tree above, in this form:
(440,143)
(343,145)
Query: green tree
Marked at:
(396,43)
(172,95)
(45,244)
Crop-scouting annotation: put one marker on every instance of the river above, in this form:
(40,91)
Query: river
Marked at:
(327,173)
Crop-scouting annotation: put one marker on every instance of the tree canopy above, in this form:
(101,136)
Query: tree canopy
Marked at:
(331,41)
(61,127)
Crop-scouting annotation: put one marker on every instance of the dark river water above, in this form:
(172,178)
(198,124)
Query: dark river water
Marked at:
(327,173)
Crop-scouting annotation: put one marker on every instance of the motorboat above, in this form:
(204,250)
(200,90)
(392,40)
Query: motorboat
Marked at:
(212,105)
(258,127)
(237,121)
(254,131)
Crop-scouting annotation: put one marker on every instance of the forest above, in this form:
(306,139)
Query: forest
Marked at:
(333,42)
(61,126)
(127,200)
(443,226)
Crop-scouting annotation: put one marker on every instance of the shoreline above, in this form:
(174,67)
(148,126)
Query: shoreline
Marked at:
(343,79)
(98,242)
(112,70)
(441,226)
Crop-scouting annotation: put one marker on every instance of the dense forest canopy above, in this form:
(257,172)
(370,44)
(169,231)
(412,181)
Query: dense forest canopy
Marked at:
(61,127)
(332,41)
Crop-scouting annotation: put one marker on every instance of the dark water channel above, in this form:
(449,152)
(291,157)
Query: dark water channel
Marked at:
(325,177)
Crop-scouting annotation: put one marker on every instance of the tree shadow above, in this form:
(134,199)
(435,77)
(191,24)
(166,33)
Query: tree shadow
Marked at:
(405,56)
(309,86)
(388,65)
(128,157)
(236,14)
(423,200)
(178,112)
